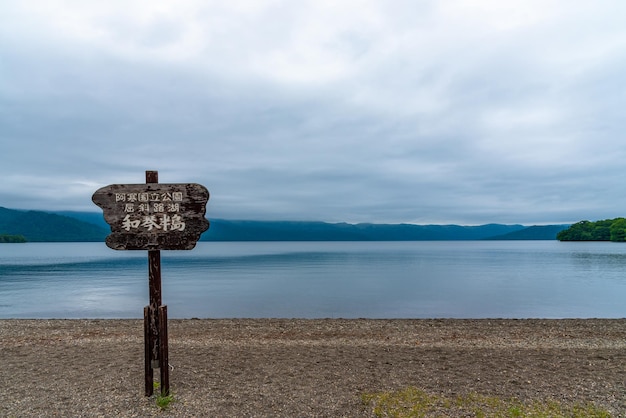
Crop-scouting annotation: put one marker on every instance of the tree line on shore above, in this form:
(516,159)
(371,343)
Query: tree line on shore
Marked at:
(605,230)
(6,239)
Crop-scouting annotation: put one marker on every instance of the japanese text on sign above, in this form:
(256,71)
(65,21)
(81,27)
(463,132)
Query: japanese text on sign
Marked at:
(151,211)
(150,222)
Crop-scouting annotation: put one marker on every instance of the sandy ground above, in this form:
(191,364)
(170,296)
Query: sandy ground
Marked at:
(304,368)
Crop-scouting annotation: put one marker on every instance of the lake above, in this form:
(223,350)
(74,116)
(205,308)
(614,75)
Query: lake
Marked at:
(416,279)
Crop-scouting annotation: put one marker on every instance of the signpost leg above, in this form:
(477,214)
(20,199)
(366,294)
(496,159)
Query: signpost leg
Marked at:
(163,352)
(147,336)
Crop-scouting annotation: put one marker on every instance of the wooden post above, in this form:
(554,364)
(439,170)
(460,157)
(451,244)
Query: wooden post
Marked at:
(163,352)
(154,273)
(155,320)
(147,340)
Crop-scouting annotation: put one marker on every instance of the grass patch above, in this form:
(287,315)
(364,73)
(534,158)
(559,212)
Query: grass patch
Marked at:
(163,401)
(413,403)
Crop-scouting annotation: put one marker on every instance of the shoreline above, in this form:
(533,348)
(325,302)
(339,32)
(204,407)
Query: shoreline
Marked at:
(306,367)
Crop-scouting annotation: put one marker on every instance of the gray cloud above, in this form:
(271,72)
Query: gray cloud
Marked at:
(422,112)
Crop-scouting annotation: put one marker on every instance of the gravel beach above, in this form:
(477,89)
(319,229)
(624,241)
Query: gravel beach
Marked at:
(304,368)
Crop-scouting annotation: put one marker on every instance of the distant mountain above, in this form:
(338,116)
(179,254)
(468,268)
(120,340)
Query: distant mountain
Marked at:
(95,218)
(230,230)
(38,226)
(537,232)
(90,226)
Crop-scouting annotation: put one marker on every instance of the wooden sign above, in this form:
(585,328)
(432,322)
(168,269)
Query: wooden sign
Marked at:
(153,216)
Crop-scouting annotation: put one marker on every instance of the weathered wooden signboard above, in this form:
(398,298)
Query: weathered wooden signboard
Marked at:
(154,217)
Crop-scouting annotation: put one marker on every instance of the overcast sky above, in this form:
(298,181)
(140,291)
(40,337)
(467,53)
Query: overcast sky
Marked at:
(418,111)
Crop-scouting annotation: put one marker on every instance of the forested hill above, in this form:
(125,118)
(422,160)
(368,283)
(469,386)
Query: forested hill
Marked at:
(605,230)
(36,226)
(90,226)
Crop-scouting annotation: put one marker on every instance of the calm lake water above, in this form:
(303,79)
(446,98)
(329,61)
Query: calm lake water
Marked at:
(442,279)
